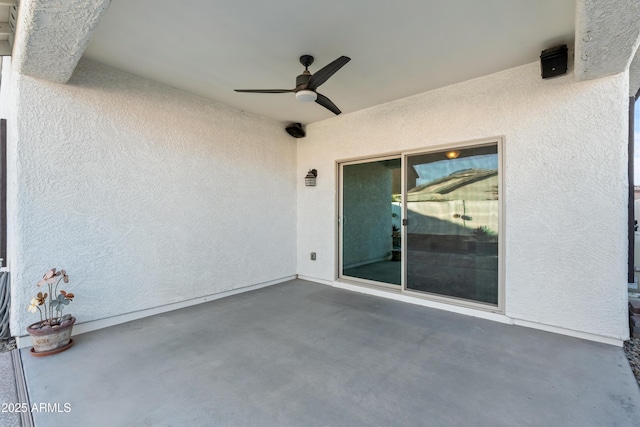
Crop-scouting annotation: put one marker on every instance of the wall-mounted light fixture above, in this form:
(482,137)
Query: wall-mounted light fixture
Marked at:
(306,95)
(452,154)
(310,179)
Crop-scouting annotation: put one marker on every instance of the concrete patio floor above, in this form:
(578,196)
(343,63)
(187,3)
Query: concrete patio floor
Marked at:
(305,354)
(8,392)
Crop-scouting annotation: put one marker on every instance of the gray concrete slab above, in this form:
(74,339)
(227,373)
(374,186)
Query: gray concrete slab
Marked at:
(304,354)
(9,403)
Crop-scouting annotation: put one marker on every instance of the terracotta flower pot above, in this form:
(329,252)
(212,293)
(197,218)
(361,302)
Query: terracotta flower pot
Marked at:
(51,339)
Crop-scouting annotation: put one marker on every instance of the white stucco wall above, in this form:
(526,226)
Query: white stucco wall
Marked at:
(565,185)
(146,195)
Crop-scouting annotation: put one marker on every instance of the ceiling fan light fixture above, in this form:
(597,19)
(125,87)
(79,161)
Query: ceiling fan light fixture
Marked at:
(306,95)
(309,83)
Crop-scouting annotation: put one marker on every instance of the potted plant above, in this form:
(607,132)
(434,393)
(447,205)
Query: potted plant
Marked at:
(52,334)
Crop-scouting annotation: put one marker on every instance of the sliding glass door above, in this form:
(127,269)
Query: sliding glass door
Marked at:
(426,223)
(370,221)
(453,223)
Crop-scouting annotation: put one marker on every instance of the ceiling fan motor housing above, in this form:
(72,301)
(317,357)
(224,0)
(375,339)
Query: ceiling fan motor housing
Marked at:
(302,79)
(295,130)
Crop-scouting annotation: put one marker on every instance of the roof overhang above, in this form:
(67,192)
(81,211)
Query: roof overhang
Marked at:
(607,39)
(52,35)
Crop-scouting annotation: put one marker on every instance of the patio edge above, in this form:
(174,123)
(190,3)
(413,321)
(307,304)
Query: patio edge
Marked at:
(501,318)
(93,325)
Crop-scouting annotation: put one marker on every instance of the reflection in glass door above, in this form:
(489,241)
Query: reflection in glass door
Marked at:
(370,225)
(452,211)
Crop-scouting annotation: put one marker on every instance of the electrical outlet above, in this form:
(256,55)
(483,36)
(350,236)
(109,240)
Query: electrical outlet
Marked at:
(313,256)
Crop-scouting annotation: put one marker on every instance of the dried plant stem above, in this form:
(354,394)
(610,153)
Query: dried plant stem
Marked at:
(50,319)
(57,283)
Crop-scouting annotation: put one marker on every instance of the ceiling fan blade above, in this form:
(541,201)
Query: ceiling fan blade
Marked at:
(326,103)
(323,74)
(264,90)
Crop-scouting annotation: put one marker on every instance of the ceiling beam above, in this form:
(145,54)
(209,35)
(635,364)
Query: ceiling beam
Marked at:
(52,35)
(607,37)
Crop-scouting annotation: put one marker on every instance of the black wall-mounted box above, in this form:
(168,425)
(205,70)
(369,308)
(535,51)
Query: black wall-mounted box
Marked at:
(295,130)
(553,61)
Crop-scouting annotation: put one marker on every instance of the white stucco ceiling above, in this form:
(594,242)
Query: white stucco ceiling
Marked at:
(397,48)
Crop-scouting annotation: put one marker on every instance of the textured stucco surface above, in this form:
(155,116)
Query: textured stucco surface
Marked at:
(607,37)
(634,75)
(145,194)
(51,36)
(565,185)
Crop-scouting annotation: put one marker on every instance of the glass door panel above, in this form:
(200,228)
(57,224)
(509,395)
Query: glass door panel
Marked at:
(371,214)
(452,212)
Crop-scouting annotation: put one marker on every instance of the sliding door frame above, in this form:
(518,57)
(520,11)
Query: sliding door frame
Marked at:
(499,141)
(340,222)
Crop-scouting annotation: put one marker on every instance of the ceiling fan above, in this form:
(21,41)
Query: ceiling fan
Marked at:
(307,83)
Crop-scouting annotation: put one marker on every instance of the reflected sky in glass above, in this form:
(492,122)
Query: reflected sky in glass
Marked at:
(428,172)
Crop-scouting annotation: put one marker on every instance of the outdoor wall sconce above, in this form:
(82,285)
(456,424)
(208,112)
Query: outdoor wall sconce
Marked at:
(310,179)
(452,154)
